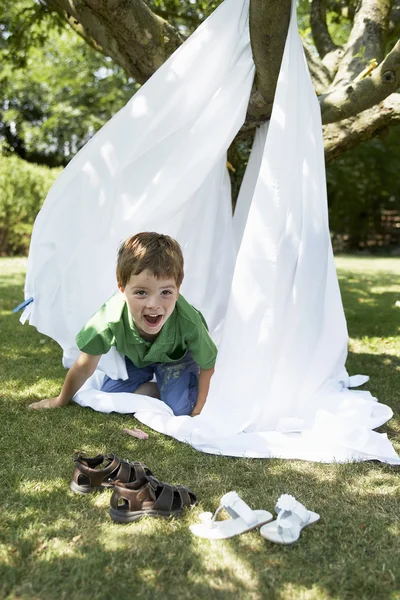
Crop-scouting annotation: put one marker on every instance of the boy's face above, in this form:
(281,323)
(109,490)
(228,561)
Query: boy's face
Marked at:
(151,301)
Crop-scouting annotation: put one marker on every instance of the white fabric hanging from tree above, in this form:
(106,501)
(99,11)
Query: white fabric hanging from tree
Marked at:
(280,387)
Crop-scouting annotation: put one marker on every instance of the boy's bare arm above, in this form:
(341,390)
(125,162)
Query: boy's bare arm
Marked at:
(204,385)
(80,371)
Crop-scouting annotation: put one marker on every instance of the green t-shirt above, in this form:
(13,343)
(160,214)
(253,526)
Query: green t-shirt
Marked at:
(185,330)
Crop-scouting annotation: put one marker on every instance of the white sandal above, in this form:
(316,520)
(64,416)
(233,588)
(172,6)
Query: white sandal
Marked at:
(243,518)
(292,518)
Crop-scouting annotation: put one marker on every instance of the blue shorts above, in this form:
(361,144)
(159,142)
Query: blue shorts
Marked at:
(177,382)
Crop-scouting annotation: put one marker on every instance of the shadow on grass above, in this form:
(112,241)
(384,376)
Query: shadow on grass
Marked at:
(55,544)
(78,552)
(62,544)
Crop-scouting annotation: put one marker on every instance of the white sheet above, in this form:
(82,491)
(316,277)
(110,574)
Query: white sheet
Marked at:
(280,382)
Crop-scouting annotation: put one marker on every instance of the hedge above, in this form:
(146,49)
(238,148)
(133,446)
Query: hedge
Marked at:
(23,188)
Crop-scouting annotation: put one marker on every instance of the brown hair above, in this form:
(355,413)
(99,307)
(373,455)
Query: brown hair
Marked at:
(160,254)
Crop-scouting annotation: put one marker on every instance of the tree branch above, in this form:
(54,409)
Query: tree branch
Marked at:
(347,101)
(366,40)
(329,52)
(126,30)
(319,28)
(339,137)
(269,22)
(319,73)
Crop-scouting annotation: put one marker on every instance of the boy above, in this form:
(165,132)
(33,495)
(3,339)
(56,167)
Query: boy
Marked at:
(156,329)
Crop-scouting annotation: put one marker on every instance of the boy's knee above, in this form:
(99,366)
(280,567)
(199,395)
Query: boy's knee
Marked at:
(182,397)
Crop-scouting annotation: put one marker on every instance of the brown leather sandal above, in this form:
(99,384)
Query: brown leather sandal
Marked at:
(89,478)
(132,501)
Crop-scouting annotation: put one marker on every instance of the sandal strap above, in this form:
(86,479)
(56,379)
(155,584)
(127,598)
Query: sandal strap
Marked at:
(147,493)
(236,507)
(86,466)
(123,470)
(92,463)
(165,499)
(289,504)
(161,495)
(141,471)
(134,493)
(188,498)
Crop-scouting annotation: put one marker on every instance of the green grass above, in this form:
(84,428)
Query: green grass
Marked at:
(58,545)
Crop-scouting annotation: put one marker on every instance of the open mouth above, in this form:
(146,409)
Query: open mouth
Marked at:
(152,320)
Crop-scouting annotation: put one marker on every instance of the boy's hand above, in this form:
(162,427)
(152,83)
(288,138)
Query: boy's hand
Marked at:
(50,403)
(80,371)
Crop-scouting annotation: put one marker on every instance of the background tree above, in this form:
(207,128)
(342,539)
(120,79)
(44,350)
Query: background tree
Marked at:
(352,48)
(57,88)
(55,91)
(138,37)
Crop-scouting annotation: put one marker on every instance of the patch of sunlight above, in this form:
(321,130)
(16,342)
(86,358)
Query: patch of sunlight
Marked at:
(311,470)
(368,264)
(356,290)
(374,484)
(385,289)
(11,391)
(37,346)
(394,529)
(41,389)
(388,287)
(368,300)
(7,553)
(138,533)
(148,576)
(300,592)
(224,569)
(395,427)
(9,265)
(5,313)
(55,548)
(101,500)
(34,487)
(212,477)
(375,345)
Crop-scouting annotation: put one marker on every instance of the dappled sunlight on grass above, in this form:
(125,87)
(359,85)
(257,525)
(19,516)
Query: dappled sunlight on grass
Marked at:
(223,567)
(130,537)
(35,488)
(367,300)
(53,548)
(297,592)
(387,288)
(55,543)
(394,529)
(375,345)
(374,484)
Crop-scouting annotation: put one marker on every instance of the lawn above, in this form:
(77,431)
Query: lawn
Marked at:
(58,545)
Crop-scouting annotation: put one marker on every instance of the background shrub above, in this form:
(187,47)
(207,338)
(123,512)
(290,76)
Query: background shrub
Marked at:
(364,195)
(23,188)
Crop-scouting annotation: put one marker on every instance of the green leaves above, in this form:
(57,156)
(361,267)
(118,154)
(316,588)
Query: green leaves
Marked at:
(363,194)
(55,90)
(23,188)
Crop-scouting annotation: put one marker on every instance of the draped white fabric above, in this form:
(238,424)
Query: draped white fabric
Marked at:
(265,281)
